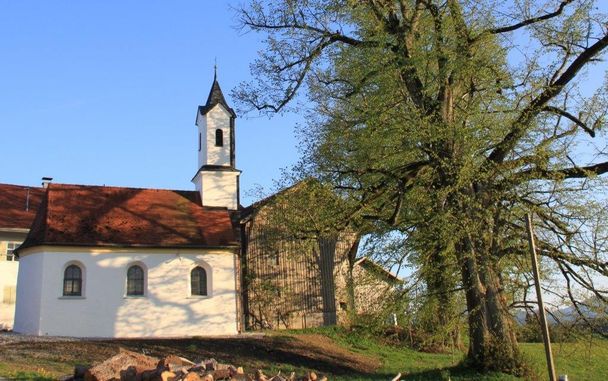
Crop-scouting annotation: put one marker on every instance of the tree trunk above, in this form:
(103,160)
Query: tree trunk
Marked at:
(492,343)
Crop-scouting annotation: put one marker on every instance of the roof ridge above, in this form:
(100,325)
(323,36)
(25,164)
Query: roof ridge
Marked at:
(20,186)
(76,186)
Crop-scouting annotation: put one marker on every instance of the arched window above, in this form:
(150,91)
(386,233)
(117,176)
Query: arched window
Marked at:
(219,138)
(135,280)
(72,281)
(198,281)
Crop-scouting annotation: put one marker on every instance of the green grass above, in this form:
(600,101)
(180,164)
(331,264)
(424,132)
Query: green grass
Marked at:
(582,360)
(40,375)
(413,365)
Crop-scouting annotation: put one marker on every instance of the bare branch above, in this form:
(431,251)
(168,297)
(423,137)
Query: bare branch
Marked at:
(530,21)
(574,119)
(568,173)
(521,124)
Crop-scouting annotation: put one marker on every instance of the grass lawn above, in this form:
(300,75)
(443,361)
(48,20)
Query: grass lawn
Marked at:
(413,365)
(332,351)
(583,360)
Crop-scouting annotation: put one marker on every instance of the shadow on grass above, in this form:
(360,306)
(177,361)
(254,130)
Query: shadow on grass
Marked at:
(270,353)
(252,353)
(453,374)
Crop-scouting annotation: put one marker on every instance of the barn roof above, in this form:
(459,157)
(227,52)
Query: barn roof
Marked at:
(249,212)
(18,206)
(83,215)
(374,266)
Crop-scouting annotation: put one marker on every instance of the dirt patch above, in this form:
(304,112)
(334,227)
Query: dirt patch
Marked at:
(289,352)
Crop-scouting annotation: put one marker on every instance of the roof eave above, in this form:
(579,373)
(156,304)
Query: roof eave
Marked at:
(203,110)
(14,230)
(229,246)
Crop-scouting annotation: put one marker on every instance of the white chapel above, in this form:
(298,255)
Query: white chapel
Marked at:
(102,261)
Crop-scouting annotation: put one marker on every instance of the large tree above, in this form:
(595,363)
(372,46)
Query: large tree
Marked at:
(448,121)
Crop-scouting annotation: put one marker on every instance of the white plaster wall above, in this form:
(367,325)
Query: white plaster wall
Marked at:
(218,117)
(201,122)
(166,310)
(219,188)
(8,278)
(30,282)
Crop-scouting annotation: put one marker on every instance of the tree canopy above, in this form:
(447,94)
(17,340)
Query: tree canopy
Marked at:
(448,121)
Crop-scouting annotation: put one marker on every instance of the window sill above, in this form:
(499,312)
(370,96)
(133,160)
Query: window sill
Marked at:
(72,297)
(134,297)
(199,297)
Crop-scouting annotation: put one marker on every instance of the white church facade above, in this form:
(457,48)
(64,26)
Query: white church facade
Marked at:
(126,262)
(101,261)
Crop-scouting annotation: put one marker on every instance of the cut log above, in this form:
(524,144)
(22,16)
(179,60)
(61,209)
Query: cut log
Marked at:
(260,376)
(111,368)
(167,375)
(149,375)
(192,376)
(172,362)
(222,374)
(278,377)
(233,371)
(129,374)
(211,364)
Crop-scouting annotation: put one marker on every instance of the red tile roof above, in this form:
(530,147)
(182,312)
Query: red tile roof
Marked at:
(16,211)
(80,215)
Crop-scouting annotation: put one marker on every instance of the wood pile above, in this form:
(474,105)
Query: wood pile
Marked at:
(132,366)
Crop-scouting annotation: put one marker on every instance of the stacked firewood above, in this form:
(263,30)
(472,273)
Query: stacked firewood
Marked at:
(132,366)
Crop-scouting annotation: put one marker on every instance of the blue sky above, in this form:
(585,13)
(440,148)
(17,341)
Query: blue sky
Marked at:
(105,92)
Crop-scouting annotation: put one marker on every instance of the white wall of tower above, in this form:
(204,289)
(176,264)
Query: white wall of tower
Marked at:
(201,122)
(218,118)
(210,154)
(216,187)
(219,188)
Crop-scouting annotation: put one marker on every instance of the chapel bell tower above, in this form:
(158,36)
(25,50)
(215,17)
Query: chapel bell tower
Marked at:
(217,178)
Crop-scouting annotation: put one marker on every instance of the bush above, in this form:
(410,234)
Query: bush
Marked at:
(530,331)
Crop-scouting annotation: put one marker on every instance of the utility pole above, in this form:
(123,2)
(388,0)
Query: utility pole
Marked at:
(541,305)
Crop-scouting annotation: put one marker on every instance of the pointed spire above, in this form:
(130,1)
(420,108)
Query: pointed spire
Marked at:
(216,96)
